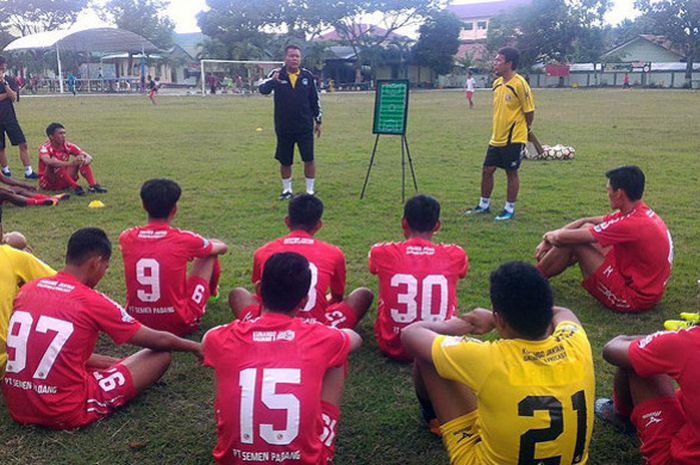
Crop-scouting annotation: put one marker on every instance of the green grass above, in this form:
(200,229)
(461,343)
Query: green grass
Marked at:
(230,184)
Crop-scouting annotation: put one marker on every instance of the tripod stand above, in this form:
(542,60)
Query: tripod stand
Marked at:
(405,153)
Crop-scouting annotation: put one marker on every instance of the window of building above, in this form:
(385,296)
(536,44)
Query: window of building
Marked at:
(469,26)
(481,25)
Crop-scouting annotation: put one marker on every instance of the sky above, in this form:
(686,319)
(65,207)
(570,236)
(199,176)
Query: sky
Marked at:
(184,12)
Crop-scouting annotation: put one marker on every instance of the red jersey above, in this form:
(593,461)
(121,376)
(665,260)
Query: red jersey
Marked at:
(155,269)
(53,330)
(675,354)
(417,282)
(63,153)
(642,247)
(269,377)
(327,264)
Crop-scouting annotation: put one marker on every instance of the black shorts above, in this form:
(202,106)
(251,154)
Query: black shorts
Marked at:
(285,147)
(14,133)
(508,157)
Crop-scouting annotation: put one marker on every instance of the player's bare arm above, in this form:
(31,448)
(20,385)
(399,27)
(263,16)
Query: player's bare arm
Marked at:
(561,314)
(529,119)
(355,339)
(616,352)
(11,94)
(163,341)
(562,237)
(481,321)
(54,163)
(218,247)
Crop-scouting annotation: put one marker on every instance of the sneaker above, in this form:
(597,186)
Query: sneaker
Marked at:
(52,201)
(478,211)
(31,175)
(285,195)
(505,216)
(214,297)
(6,173)
(61,197)
(605,410)
(97,189)
(79,191)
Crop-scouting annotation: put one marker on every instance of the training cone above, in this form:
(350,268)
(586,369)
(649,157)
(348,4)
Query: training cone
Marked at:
(96,204)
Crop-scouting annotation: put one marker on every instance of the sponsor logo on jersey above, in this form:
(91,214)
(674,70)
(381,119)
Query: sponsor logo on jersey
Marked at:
(647,340)
(148,234)
(652,418)
(298,241)
(416,250)
(272,336)
(55,286)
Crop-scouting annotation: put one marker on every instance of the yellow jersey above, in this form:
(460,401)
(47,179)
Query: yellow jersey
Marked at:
(511,100)
(16,269)
(293,78)
(535,398)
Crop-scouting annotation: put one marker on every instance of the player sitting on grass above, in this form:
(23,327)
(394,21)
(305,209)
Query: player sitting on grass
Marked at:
(327,271)
(645,398)
(160,294)
(56,169)
(279,379)
(17,267)
(625,257)
(24,195)
(526,398)
(417,278)
(52,377)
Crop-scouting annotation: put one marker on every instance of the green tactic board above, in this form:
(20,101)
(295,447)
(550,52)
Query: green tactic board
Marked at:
(391,107)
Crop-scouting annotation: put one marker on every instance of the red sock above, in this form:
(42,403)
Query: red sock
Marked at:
(41,197)
(86,171)
(214,280)
(39,201)
(67,177)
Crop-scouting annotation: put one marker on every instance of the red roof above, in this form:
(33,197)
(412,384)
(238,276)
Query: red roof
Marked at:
(363,29)
(485,9)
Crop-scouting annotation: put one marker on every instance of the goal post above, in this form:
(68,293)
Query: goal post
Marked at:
(246,71)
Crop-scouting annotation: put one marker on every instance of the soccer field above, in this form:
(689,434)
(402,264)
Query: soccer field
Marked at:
(230,185)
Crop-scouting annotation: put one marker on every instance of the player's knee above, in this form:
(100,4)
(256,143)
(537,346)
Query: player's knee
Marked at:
(238,299)
(364,296)
(488,170)
(16,240)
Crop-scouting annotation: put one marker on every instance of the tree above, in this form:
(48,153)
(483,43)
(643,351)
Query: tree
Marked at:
(438,42)
(25,17)
(143,17)
(551,30)
(679,21)
(346,18)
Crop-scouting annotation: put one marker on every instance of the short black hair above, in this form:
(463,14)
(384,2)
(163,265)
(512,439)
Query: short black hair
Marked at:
(291,47)
(522,296)
(512,56)
(628,178)
(159,197)
(305,212)
(148,77)
(285,282)
(86,243)
(422,213)
(51,128)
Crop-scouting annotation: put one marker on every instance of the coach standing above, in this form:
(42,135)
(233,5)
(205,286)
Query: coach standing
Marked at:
(513,114)
(297,118)
(9,92)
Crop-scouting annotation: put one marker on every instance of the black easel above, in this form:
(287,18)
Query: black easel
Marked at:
(405,152)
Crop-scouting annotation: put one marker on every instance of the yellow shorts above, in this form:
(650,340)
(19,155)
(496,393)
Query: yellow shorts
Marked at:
(460,437)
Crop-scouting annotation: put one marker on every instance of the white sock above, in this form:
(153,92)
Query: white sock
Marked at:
(310,185)
(510,207)
(484,202)
(287,185)
(28,170)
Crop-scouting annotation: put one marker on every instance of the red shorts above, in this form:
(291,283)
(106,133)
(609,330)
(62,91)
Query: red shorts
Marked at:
(470,94)
(339,315)
(107,391)
(609,287)
(53,181)
(199,293)
(658,421)
(151,93)
(330,416)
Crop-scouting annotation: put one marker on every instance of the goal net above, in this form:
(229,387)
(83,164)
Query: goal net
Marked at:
(234,76)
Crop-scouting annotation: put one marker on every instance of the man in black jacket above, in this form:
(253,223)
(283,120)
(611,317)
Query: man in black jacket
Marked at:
(9,93)
(297,118)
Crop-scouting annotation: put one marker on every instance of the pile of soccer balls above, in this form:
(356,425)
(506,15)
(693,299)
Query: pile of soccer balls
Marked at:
(551,152)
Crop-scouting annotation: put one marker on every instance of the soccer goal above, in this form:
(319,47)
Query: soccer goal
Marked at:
(234,76)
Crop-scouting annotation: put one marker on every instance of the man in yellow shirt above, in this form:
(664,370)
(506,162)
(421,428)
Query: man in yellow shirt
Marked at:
(524,399)
(17,267)
(513,114)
